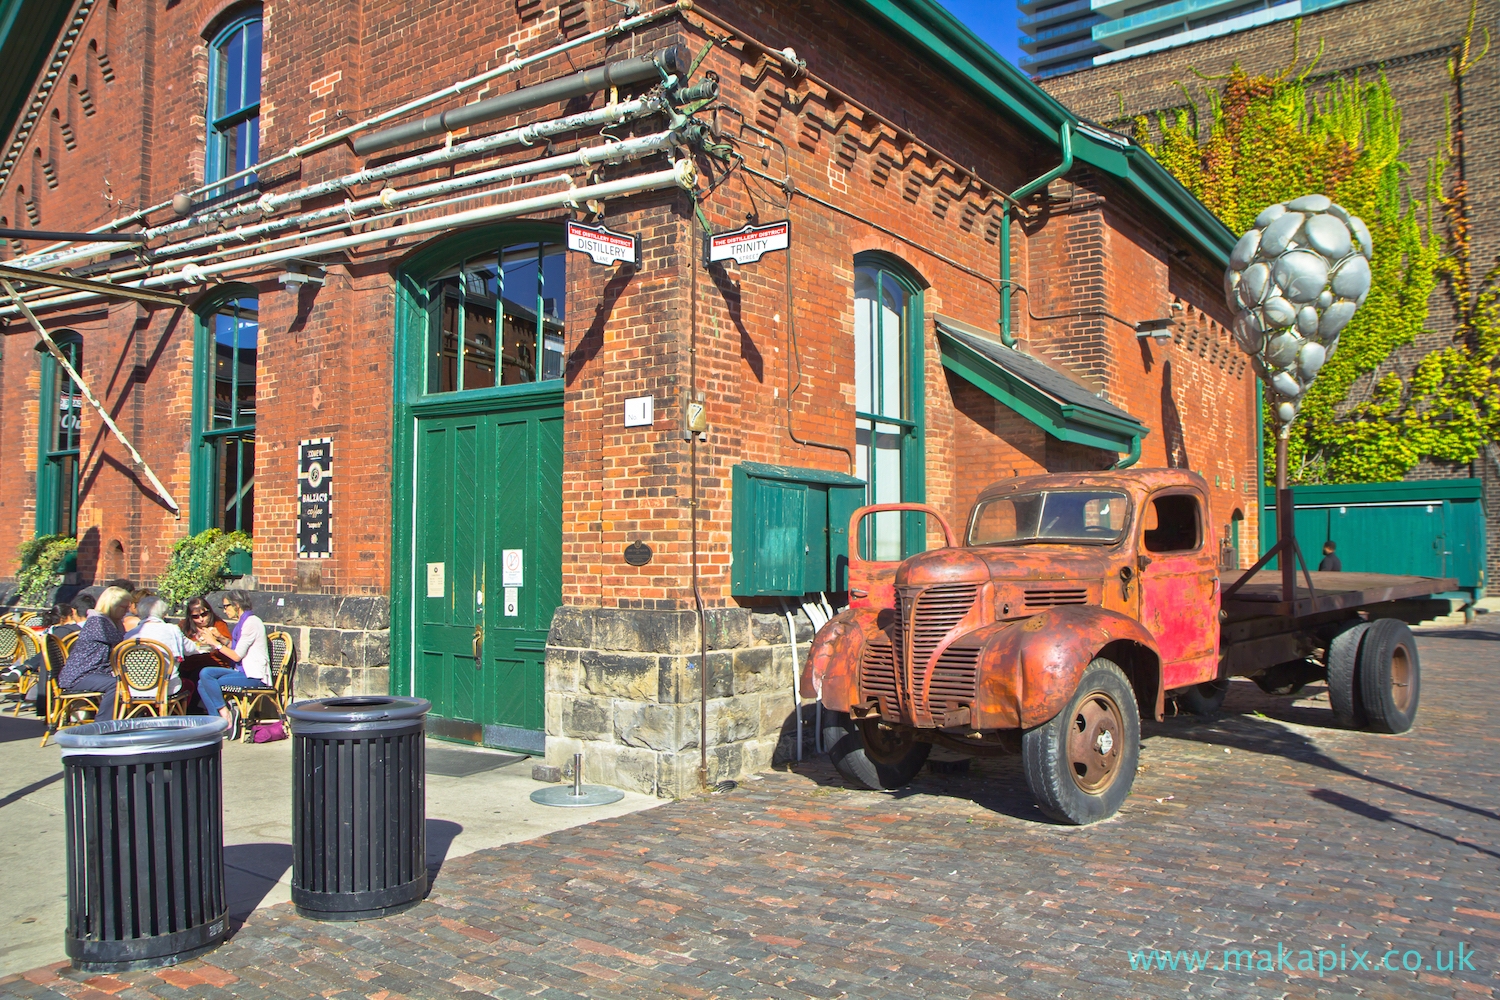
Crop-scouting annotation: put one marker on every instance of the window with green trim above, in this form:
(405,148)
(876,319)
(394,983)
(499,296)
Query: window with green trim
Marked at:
(234,64)
(497,319)
(888,401)
(61,409)
(224,416)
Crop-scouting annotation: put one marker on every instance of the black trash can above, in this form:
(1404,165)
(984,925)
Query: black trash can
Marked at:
(359,806)
(145,841)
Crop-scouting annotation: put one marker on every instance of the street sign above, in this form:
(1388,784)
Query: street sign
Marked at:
(747,245)
(604,246)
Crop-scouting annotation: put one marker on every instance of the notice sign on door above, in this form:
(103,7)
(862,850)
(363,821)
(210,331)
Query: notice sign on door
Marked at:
(604,246)
(315,499)
(437,585)
(747,245)
(511,568)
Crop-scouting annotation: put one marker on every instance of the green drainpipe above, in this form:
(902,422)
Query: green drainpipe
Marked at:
(1065,139)
(1134,456)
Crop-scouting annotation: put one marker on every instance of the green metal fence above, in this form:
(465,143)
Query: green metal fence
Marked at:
(1432,528)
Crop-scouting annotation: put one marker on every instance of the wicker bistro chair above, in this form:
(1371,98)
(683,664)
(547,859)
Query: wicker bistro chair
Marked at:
(248,702)
(17,645)
(144,669)
(31,619)
(67,642)
(63,708)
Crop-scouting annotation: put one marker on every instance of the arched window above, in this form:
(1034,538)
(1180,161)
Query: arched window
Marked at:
(228,340)
(888,405)
(234,101)
(497,318)
(61,412)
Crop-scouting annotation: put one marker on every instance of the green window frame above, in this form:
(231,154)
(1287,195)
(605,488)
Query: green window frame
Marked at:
(60,412)
(234,72)
(889,413)
(226,348)
(516,288)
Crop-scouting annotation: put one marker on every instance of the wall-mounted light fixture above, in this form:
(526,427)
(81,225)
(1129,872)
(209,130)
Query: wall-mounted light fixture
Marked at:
(1159,330)
(303,272)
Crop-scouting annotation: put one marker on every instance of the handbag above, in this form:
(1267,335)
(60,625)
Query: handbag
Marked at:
(268,732)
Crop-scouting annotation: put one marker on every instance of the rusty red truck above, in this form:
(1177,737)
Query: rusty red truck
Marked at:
(1071,606)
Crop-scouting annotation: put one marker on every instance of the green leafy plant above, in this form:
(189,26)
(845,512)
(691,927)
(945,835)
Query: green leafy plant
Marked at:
(1273,137)
(198,565)
(41,565)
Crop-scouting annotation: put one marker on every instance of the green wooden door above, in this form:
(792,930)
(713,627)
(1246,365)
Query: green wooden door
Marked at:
(488,570)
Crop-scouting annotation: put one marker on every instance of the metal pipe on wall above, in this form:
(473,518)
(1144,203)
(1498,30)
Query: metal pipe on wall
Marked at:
(268,204)
(1065,139)
(453,90)
(673,59)
(683,174)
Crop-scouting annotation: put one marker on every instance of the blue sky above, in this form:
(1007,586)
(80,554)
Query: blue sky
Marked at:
(992,20)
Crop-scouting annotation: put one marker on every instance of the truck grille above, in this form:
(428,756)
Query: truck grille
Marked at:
(932,614)
(1052,597)
(877,676)
(953,678)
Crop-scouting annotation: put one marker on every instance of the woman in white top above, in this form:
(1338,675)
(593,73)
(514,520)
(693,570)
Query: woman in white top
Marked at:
(153,627)
(247,648)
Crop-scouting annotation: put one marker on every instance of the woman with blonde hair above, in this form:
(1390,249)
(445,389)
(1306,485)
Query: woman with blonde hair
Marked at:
(88,668)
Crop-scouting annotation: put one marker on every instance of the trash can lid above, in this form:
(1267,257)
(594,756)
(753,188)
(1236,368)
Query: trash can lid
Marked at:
(141,736)
(356,709)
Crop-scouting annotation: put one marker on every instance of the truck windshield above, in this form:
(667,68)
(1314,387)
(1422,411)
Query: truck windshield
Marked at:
(1093,516)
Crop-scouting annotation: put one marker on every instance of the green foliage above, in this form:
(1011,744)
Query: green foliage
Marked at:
(1271,138)
(197,565)
(41,564)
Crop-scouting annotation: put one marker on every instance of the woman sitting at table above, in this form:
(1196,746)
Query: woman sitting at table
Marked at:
(201,652)
(88,667)
(247,649)
(152,626)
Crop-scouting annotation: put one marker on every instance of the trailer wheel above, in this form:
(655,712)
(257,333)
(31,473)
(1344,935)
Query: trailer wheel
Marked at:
(891,759)
(1081,764)
(1390,676)
(1204,699)
(1343,676)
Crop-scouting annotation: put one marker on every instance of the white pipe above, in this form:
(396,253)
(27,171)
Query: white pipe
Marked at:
(333,138)
(614,152)
(88,394)
(268,204)
(683,174)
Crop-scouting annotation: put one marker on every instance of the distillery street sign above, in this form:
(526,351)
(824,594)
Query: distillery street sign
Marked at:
(315,499)
(604,246)
(747,245)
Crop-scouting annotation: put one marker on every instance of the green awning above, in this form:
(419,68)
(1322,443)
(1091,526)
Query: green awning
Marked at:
(1035,390)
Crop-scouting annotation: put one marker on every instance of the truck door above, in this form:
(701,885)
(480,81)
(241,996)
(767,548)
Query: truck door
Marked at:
(1179,586)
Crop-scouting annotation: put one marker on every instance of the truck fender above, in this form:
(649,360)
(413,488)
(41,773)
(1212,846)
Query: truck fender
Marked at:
(832,670)
(1029,669)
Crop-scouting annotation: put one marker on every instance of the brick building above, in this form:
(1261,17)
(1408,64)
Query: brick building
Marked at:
(1410,43)
(556,483)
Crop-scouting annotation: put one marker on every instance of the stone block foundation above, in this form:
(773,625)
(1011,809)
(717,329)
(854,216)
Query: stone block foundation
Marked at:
(624,686)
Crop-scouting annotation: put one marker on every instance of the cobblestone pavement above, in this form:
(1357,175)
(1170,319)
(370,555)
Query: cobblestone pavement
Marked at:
(1263,830)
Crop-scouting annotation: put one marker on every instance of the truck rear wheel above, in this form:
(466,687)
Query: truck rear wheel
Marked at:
(1081,764)
(873,755)
(1344,694)
(1390,676)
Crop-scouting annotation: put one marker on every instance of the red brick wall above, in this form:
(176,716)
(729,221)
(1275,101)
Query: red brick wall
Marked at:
(909,190)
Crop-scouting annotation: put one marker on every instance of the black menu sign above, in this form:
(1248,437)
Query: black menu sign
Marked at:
(315,498)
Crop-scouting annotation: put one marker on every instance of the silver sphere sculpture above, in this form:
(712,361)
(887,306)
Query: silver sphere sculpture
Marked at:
(1294,282)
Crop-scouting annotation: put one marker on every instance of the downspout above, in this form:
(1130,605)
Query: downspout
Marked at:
(1134,456)
(1065,139)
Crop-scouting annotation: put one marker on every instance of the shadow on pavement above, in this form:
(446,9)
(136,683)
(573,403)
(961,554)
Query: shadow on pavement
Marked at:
(440,836)
(27,727)
(250,872)
(1379,815)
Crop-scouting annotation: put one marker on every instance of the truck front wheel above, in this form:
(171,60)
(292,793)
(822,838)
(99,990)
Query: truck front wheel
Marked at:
(873,755)
(1081,764)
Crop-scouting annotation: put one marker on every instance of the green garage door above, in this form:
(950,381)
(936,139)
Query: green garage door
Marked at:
(488,571)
